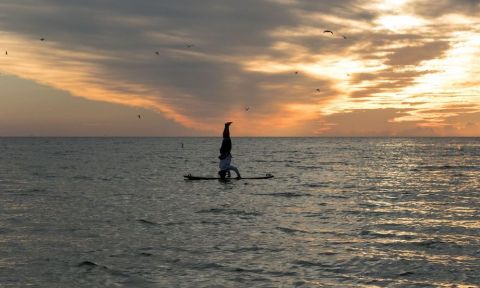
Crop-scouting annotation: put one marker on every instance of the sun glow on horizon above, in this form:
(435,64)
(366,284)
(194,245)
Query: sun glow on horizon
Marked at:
(385,55)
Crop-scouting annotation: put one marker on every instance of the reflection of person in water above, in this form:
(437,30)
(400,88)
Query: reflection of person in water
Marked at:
(225,156)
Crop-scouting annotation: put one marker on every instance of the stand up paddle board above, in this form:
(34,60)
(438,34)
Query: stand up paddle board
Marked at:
(190,177)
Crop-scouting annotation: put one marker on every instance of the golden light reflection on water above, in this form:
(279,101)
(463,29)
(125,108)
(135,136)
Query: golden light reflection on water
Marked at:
(419,254)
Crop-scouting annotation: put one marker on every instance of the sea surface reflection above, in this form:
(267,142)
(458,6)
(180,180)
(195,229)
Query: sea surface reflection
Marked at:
(340,212)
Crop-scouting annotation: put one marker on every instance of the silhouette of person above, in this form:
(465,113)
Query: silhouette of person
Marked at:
(225,156)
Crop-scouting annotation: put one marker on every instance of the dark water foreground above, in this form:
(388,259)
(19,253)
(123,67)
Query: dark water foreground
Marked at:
(340,212)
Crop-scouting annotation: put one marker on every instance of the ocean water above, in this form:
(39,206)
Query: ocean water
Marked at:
(340,212)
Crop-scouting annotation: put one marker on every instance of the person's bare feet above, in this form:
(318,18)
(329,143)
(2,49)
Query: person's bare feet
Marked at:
(228,123)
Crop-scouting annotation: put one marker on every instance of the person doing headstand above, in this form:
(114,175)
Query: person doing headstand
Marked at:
(225,156)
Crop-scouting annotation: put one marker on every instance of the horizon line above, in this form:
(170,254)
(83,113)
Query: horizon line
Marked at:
(207,136)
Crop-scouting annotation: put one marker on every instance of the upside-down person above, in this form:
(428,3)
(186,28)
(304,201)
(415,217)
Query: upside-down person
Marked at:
(225,156)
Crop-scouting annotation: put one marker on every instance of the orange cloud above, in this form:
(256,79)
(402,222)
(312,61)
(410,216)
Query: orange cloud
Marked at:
(397,62)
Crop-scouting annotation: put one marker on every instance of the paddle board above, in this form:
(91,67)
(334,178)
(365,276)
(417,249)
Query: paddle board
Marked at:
(190,177)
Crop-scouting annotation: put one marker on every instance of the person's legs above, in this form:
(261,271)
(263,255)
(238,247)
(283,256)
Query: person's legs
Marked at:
(225,149)
(226,130)
(231,167)
(226,142)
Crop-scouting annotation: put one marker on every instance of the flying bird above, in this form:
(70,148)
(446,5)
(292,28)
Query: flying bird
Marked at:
(328,31)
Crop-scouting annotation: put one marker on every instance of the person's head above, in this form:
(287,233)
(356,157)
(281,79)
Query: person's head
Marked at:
(222,173)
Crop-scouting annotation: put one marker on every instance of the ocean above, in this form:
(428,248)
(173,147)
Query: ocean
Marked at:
(340,212)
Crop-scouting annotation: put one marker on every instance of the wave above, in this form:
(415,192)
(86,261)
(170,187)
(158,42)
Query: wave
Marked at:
(225,268)
(304,263)
(316,185)
(82,177)
(87,264)
(285,194)
(445,167)
(228,212)
(375,234)
(290,231)
(146,222)
(249,249)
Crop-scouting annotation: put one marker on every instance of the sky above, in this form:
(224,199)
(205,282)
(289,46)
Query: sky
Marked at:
(389,68)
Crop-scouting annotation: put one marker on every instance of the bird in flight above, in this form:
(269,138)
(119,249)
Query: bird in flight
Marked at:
(328,31)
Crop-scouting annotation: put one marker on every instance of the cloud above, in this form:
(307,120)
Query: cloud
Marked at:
(373,122)
(193,86)
(442,7)
(245,53)
(413,55)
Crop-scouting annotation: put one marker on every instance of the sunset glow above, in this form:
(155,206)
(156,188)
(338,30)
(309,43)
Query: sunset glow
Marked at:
(399,56)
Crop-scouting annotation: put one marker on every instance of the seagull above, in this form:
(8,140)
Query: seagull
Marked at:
(327,31)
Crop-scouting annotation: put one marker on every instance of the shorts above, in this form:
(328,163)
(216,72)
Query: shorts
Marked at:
(225,163)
